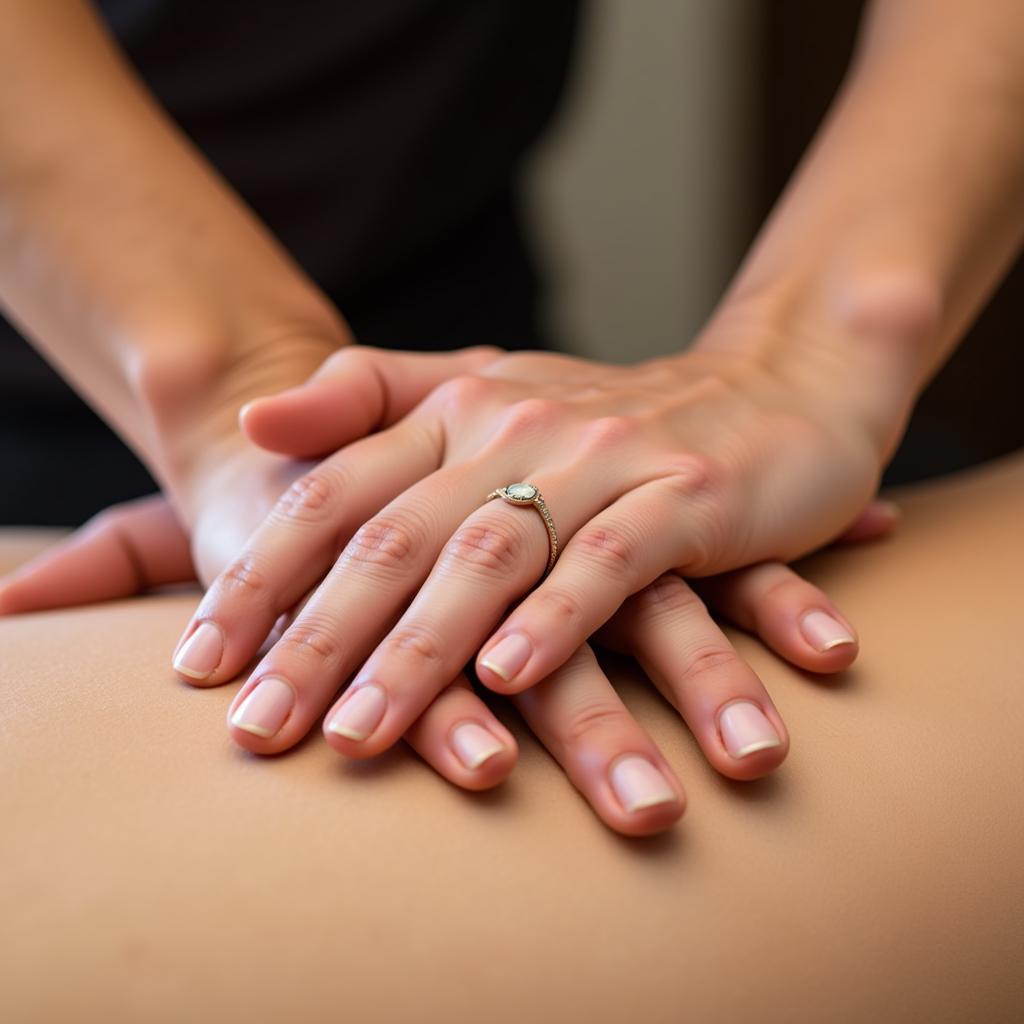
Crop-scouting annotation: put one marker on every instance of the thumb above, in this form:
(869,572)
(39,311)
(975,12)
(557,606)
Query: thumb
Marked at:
(357,391)
(124,550)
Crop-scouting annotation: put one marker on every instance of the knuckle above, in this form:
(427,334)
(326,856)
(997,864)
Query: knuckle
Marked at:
(783,589)
(345,358)
(311,637)
(418,639)
(465,391)
(486,352)
(611,548)
(561,605)
(309,499)
(386,542)
(668,595)
(487,547)
(711,527)
(691,474)
(529,415)
(608,433)
(243,579)
(700,485)
(590,718)
(707,657)
(110,520)
(528,364)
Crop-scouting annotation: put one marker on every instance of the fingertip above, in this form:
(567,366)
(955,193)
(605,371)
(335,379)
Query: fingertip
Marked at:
(648,821)
(827,638)
(265,422)
(23,594)
(476,756)
(309,421)
(750,739)
(462,739)
(755,765)
(505,664)
(246,416)
(8,599)
(199,656)
(639,796)
(798,622)
(494,681)
(878,520)
(889,509)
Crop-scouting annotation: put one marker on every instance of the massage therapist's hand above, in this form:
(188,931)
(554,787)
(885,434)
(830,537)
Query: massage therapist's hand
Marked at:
(688,466)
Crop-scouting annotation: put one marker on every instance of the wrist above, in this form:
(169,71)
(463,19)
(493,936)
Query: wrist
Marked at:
(191,379)
(857,336)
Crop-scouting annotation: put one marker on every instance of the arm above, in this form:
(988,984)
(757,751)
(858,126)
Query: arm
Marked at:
(904,214)
(128,261)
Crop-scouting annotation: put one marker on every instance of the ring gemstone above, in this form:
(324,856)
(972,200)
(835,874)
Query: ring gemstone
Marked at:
(523,492)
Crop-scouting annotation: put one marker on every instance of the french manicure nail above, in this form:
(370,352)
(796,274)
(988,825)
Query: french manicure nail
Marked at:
(508,656)
(638,784)
(264,711)
(473,744)
(201,652)
(823,632)
(361,713)
(745,728)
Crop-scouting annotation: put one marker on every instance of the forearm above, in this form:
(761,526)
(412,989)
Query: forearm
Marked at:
(123,255)
(905,212)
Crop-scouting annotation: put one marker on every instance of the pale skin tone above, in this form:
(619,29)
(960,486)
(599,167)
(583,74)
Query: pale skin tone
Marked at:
(761,442)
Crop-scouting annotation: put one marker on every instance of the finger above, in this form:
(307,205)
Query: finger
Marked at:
(296,544)
(489,559)
(609,758)
(381,566)
(357,391)
(793,617)
(617,553)
(460,737)
(122,551)
(877,520)
(359,607)
(692,663)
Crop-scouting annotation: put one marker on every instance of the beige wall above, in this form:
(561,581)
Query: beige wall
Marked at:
(636,192)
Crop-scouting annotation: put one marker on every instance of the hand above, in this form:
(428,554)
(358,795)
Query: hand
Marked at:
(718,460)
(140,545)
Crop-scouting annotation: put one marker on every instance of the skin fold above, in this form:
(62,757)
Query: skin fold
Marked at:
(761,441)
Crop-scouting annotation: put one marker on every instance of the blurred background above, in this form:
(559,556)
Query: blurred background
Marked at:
(642,193)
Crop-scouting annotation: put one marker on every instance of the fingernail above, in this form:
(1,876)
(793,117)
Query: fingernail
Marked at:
(745,728)
(473,744)
(361,713)
(823,632)
(264,711)
(638,784)
(201,653)
(509,656)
